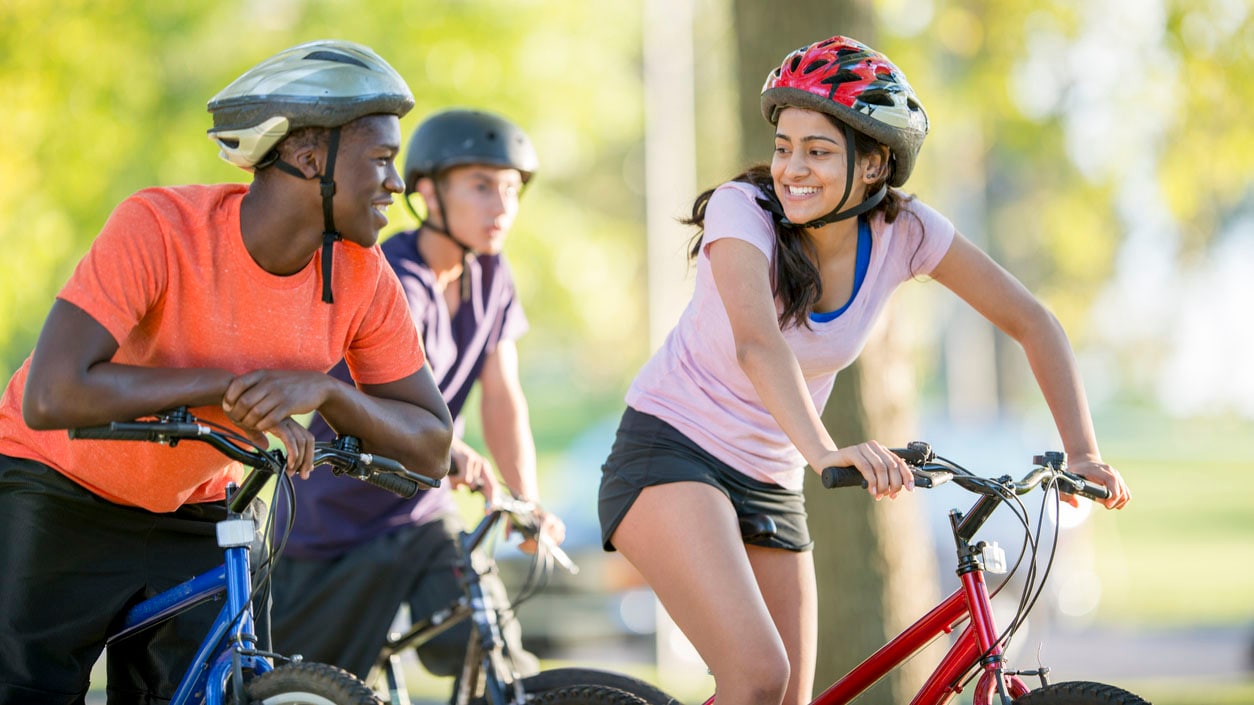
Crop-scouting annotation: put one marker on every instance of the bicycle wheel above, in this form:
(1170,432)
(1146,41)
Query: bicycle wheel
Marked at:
(1080,693)
(562,678)
(584,695)
(308,684)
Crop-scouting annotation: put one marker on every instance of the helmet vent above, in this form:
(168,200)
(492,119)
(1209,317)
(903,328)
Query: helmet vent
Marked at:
(334,56)
(844,76)
(815,65)
(876,97)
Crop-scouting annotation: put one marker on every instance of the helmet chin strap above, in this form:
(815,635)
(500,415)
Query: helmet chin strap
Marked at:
(837,215)
(326,183)
(443,229)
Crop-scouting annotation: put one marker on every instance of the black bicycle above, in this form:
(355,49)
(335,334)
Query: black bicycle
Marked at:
(488,675)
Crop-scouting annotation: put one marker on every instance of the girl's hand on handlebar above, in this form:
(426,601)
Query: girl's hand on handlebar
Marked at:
(472,470)
(885,473)
(1102,474)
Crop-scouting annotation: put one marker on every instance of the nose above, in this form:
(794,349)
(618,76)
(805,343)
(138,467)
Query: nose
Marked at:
(504,202)
(392,180)
(796,164)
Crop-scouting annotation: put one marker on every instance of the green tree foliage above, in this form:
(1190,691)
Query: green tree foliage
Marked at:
(1087,115)
(108,97)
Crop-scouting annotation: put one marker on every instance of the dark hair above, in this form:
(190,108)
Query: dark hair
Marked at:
(796,281)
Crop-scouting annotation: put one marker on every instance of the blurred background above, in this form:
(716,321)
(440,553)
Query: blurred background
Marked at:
(1101,150)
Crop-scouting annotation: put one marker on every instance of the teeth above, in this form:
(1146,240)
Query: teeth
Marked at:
(802,190)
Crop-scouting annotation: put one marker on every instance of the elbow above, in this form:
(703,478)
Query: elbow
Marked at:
(432,451)
(749,352)
(42,407)
(1038,324)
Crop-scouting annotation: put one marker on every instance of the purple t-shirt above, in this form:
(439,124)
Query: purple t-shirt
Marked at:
(333,514)
(694,383)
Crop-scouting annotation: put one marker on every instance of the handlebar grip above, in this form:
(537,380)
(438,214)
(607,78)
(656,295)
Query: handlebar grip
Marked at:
(131,431)
(842,477)
(1083,487)
(396,484)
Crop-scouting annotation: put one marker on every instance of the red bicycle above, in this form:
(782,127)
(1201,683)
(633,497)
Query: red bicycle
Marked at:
(979,650)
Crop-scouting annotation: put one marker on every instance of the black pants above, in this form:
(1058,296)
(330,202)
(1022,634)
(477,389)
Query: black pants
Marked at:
(70,564)
(338,610)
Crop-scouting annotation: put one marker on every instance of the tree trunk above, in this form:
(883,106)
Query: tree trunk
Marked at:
(876,572)
(874,561)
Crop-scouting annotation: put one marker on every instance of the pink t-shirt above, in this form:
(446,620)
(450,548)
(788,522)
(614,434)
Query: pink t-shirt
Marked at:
(694,382)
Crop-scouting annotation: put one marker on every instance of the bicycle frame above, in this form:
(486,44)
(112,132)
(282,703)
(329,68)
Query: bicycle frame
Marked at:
(486,647)
(215,658)
(230,647)
(977,646)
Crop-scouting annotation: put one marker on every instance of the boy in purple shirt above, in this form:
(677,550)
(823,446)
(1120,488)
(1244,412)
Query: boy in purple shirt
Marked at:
(355,554)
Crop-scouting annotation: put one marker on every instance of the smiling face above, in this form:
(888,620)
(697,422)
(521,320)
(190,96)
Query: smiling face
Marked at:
(481,203)
(810,163)
(366,177)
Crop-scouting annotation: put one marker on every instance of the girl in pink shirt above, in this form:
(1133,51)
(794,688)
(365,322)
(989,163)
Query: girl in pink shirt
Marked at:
(793,265)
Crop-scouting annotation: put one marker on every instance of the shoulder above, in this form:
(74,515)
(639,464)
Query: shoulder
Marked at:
(734,212)
(919,232)
(187,198)
(402,246)
(737,194)
(929,217)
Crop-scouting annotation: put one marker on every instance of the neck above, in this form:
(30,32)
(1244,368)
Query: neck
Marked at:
(277,228)
(445,257)
(835,239)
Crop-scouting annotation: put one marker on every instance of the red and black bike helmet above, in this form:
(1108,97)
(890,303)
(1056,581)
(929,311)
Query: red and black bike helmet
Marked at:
(861,88)
(857,85)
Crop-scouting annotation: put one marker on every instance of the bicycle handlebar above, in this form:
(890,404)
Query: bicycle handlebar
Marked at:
(342,454)
(522,515)
(930,471)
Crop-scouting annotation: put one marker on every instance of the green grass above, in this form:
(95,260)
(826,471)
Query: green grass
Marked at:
(1182,552)
(1194,693)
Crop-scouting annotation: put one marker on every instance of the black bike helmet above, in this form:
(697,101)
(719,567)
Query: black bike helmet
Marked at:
(459,137)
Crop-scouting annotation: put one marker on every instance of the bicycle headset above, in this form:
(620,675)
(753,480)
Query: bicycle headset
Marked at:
(864,91)
(460,137)
(326,83)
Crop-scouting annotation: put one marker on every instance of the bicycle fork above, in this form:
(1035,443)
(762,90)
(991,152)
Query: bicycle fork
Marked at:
(981,634)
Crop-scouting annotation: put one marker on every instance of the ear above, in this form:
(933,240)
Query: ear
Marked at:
(426,188)
(308,157)
(875,165)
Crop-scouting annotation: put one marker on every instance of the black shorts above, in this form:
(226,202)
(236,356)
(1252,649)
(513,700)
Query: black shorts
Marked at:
(648,451)
(70,563)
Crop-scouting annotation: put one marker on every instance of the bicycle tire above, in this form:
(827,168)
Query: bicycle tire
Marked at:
(1080,693)
(308,684)
(584,695)
(565,678)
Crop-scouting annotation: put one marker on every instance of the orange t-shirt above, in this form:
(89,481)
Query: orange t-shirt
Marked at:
(169,277)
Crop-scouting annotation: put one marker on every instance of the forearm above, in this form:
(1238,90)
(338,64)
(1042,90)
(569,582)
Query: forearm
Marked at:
(1054,366)
(113,392)
(418,436)
(507,433)
(771,367)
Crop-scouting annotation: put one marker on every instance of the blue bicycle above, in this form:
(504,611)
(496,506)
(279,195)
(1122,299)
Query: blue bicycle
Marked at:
(229,667)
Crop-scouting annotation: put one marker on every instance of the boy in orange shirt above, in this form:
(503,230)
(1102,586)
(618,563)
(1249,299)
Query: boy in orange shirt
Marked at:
(222,298)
